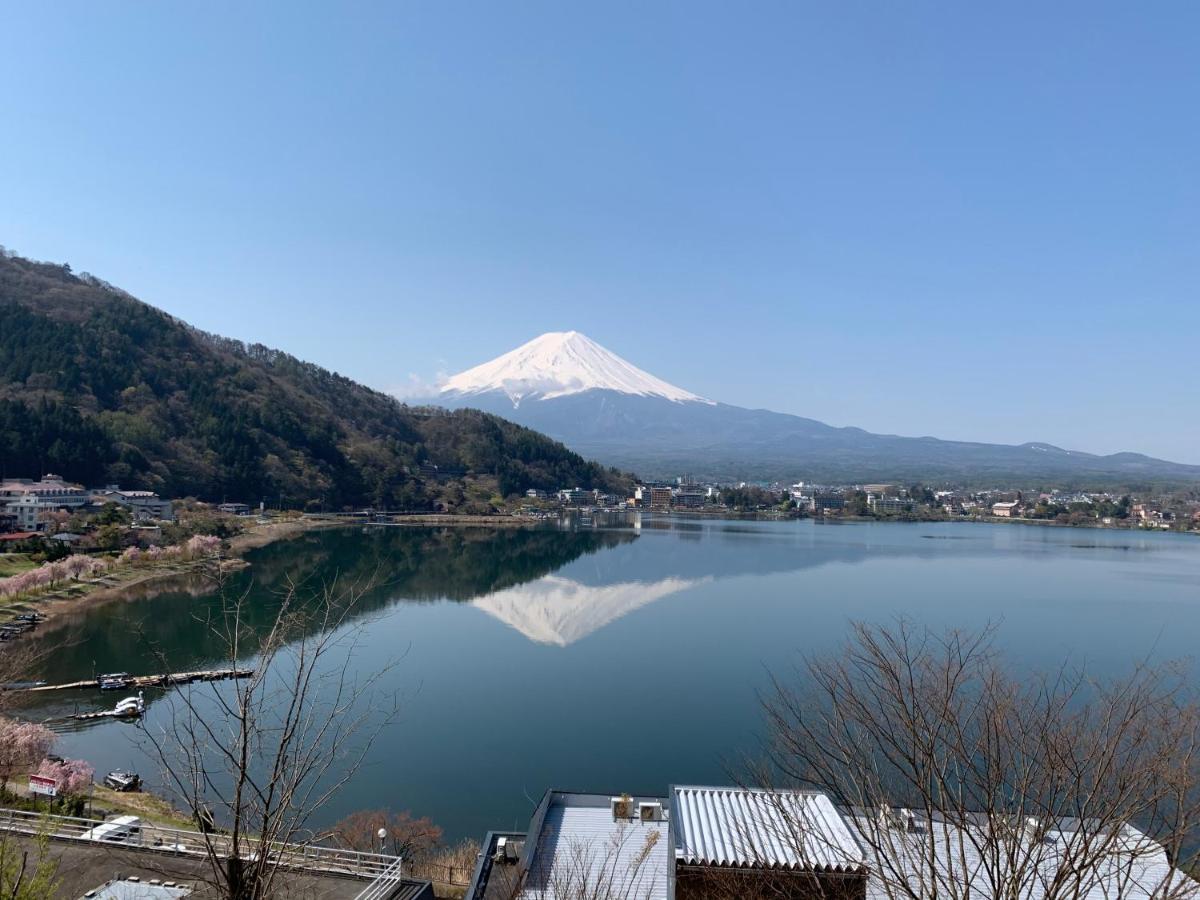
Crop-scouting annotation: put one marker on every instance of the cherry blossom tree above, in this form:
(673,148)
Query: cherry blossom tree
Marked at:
(74,776)
(22,746)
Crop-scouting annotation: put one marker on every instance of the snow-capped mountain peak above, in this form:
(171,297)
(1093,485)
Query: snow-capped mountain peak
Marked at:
(557,364)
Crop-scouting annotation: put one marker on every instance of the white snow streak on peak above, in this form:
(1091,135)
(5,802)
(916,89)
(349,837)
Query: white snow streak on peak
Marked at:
(560,363)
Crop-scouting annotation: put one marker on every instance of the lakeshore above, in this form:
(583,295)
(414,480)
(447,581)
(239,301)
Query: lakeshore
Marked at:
(151,578)
(571,617)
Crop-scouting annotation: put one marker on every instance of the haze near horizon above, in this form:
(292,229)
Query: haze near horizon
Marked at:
(975,224)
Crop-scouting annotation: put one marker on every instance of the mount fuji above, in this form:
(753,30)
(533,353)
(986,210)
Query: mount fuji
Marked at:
(574,390)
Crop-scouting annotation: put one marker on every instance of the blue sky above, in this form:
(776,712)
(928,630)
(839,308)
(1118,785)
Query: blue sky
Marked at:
(952,219)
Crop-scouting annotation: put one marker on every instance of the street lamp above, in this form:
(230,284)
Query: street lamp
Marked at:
(382,835)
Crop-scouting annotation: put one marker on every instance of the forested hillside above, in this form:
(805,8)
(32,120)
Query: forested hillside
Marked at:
(100,387)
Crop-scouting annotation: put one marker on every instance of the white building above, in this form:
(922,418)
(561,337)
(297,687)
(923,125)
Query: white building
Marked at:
(144,505)
(30,501)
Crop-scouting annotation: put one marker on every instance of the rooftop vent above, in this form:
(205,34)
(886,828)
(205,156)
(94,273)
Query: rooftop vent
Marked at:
(650,812)
(899,819)
(622,807)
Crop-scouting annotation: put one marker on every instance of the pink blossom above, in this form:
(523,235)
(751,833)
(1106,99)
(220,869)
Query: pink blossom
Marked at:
(74,776)
(199,546)
(22,744)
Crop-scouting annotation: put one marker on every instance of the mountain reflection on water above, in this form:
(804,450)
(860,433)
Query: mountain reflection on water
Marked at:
(627,657)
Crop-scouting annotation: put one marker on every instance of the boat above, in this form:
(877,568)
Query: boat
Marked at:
(115,681)
(123,781)
(130,707)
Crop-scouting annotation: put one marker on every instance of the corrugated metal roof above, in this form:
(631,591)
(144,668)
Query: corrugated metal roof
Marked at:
(797,830)
(582,851)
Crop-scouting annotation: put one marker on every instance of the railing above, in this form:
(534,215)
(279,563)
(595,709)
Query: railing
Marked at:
(158,838)
(383,886)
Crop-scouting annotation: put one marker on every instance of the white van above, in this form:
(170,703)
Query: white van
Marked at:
(121,830)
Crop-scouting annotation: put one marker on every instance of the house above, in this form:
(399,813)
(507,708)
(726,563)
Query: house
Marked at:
(1008,509)
(14,536)
(535,494)
(143,505)
(713,843)
(235,509)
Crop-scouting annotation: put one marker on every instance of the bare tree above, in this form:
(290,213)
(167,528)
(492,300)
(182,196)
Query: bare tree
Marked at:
(960,780)
(405,836)
(253,759)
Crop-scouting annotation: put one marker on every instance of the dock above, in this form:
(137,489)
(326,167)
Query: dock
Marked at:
(148,681)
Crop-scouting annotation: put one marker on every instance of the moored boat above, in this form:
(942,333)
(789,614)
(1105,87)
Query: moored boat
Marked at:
(115,681)
(123,781)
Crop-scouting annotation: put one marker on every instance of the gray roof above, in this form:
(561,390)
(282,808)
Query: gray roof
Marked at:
(797,830)
(580,847)
(1129,866)
(136,889)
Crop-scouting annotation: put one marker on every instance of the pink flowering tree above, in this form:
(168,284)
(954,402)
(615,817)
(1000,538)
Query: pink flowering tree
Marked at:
(81,565)
(74,776)
(199,546)
(22,745)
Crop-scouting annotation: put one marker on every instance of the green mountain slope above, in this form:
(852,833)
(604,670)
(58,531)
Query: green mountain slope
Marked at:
(100,387)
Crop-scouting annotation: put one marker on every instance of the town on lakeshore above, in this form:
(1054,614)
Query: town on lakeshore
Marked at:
(599,451)
(52,516)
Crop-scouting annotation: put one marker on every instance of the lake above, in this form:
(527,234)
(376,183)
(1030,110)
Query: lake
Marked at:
(628,658)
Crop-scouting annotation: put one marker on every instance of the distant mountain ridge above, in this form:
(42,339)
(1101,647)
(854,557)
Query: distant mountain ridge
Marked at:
(99,387)
(569,387)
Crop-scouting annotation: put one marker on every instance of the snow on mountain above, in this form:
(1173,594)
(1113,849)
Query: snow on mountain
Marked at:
(559,610)
(558,364)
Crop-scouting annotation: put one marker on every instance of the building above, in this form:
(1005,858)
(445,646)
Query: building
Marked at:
(728,842)
(575,497)
(690,498)
(888,505)
(714,843)
(51,490)
(143,505)
(28,512)
(823,501)
(1008,509)
(29,502)
(535,494)
(660,497)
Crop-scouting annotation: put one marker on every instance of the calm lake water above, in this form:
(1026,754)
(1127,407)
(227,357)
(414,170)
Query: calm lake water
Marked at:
(627,659)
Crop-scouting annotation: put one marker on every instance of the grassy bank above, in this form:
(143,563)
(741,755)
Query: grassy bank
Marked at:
(145,577)
(15,563)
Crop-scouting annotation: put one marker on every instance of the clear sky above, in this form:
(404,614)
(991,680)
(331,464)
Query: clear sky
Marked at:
(970,220)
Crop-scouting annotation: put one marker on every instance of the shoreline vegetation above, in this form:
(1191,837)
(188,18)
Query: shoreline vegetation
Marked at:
(126,576)
(124,582)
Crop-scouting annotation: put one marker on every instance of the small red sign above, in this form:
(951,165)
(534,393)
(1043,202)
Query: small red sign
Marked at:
(41,785)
